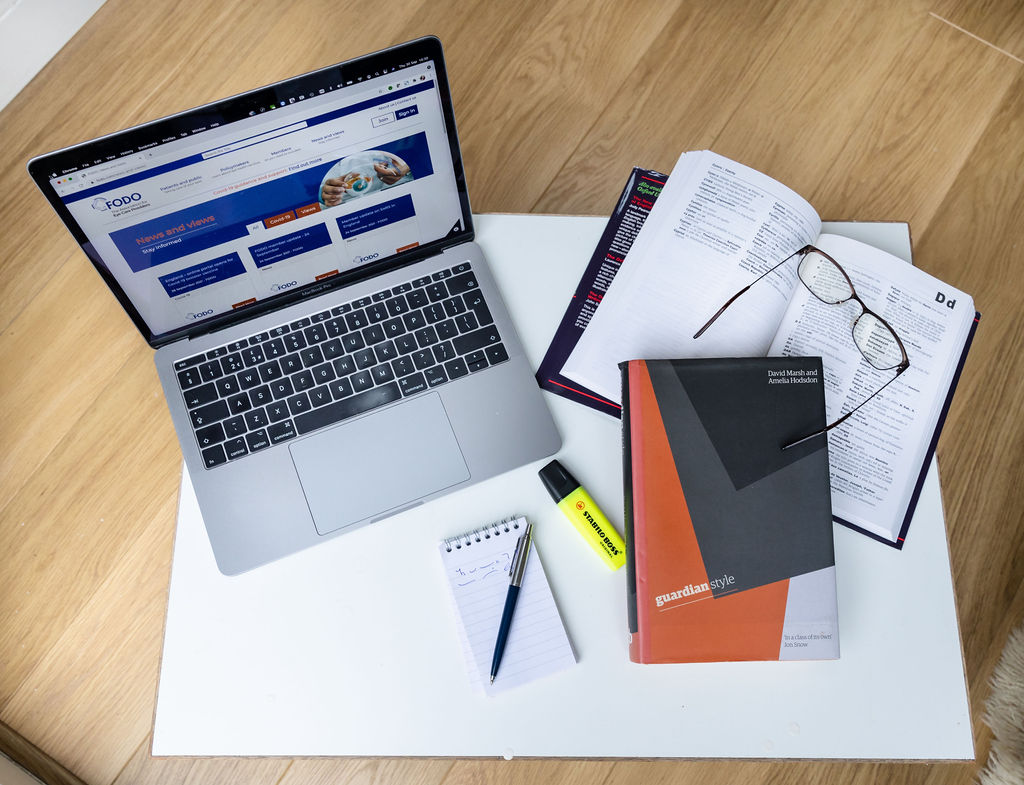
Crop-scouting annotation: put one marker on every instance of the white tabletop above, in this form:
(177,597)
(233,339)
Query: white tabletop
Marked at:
(351,648)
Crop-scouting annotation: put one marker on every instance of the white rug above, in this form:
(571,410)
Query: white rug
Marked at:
(1004,714)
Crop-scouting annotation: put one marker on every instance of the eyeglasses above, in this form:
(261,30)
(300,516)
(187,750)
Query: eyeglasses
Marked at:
(825,278)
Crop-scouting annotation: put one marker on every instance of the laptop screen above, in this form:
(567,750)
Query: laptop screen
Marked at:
(203,218)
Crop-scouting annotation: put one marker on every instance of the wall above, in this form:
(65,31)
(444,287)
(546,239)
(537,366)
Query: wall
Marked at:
(32,32)
(12,774)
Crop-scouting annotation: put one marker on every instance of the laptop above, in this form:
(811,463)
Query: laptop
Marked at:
(331,344)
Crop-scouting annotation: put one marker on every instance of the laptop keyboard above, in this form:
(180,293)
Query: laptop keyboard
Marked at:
(317,371)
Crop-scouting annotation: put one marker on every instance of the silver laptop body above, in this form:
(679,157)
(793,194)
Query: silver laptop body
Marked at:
(331,344)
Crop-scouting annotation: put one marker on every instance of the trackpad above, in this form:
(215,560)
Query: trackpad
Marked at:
(378,463)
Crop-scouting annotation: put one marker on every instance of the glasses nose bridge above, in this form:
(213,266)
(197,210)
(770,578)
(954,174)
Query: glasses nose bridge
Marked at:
(853,298)
(856,299)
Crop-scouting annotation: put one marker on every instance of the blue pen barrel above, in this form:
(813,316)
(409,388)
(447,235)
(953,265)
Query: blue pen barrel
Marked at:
(506,624)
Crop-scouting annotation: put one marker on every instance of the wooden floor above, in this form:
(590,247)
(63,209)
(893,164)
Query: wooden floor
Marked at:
(872,110)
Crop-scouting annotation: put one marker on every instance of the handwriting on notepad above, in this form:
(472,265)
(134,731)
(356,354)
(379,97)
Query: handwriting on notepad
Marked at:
(499,566)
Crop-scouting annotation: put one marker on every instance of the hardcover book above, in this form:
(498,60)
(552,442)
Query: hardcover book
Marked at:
(729,550)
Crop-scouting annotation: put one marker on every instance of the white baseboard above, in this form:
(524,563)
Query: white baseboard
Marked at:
(12,774)
(32,32)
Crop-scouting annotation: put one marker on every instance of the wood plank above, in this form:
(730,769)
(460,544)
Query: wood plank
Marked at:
(541,84)
(521,772)
(51,376)
(366,771)
(146,770)
(104,664)
(75,522)
(999,22)
(775,772)
(801,109)
(309,36)
(926,116)
(657,111)
(475,36)
(792,88)
(143,769)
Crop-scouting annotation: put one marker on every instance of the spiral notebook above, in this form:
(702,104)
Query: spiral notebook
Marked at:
(476,565)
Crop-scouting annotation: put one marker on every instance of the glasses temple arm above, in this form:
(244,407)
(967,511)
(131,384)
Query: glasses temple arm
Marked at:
(842,419)
(721,310)
(732,299)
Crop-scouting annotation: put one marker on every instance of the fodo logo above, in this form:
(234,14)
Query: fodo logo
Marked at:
(200,315)
(361,259)
(99,203)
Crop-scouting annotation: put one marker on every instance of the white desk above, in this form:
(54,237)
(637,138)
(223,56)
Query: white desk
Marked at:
(350,648)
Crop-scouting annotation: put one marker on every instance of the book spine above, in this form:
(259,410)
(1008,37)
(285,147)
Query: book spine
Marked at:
(627,511)
(631,210)
(636,647)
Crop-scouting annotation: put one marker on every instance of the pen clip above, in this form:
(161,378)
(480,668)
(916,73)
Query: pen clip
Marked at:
(515,557)
(519,556)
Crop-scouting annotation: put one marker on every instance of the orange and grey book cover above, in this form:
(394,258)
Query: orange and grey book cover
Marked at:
(728,536)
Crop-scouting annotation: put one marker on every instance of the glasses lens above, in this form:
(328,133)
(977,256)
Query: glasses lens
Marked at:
(877,342)
(824,278)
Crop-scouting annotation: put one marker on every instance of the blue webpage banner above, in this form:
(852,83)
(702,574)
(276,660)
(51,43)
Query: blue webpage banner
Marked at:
(290,245)
(375,217)
(213,271)
(226,218)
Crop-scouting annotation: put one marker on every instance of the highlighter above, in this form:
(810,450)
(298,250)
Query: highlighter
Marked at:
(576,504)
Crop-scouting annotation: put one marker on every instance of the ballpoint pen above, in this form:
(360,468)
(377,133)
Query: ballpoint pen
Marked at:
(515,581)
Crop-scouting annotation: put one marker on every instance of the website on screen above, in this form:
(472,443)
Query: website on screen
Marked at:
(221,219)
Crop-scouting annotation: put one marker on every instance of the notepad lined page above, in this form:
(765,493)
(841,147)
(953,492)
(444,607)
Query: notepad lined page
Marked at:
(478,577)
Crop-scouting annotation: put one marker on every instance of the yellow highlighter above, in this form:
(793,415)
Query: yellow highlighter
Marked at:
(576,504)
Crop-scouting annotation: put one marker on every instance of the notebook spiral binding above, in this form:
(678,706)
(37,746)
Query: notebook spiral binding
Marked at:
(504,526)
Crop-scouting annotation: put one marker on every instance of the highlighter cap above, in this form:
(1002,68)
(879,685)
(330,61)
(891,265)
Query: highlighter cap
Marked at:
(558,481)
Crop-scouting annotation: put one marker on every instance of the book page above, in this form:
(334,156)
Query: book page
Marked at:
(537,642)
(715,228)
(876,456)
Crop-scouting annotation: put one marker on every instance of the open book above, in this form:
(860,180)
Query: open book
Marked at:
(715,228)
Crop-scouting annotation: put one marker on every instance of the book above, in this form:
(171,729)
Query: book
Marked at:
(729,551)
(716,227)
(631,210)
(477,566)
